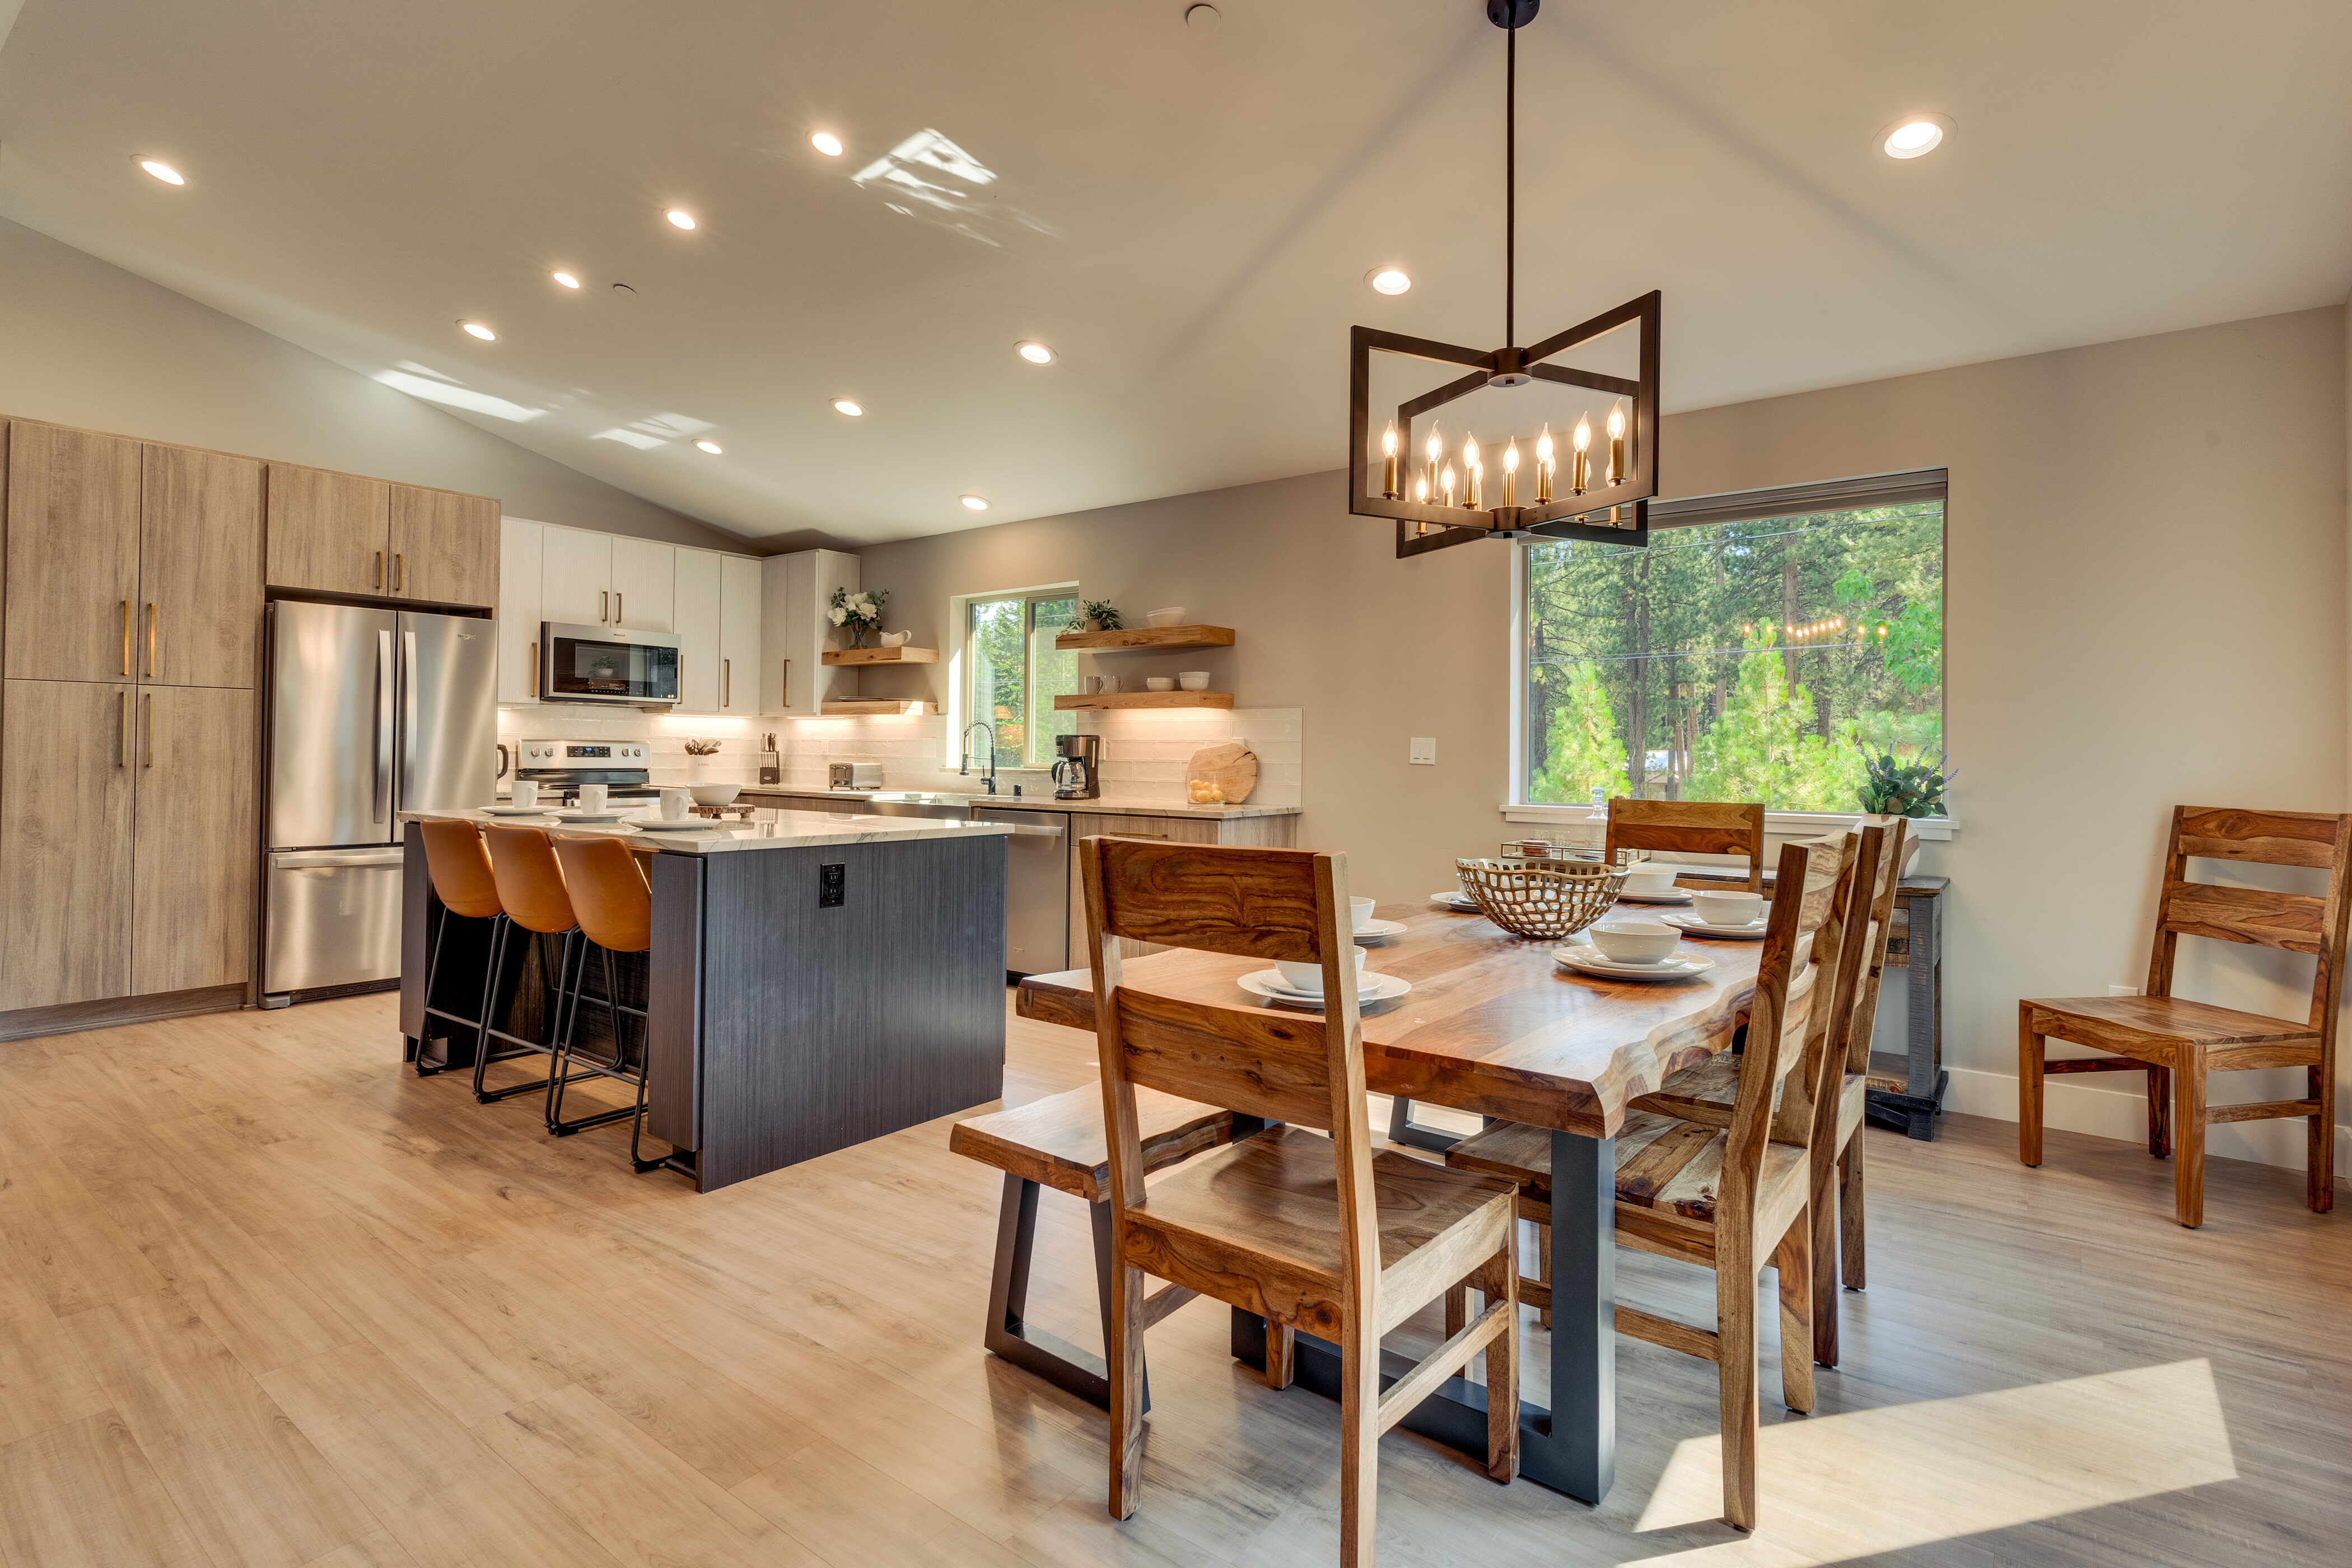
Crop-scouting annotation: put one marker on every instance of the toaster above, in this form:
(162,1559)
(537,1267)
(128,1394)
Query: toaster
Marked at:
(854,775)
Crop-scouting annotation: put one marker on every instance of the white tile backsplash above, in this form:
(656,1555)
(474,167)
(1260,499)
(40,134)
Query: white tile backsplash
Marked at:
(737,761)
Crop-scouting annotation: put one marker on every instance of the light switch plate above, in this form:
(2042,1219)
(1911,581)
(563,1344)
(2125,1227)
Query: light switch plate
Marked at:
(1424,750)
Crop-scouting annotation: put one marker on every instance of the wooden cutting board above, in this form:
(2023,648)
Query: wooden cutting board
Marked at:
(1232,765)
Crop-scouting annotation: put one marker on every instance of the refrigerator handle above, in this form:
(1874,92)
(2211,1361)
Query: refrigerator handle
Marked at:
(407,713)
(383,723)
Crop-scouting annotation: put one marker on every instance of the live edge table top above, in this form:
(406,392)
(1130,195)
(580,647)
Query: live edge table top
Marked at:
(1491,1025)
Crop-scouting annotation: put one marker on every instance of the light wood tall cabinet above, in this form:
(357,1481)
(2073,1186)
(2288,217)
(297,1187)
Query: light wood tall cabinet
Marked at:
(65,847)
(198,617)
(73,554)
(195,819)
(444,546)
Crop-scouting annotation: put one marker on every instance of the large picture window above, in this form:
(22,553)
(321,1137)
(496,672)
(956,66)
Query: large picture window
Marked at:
(1015,673)
(1747,658)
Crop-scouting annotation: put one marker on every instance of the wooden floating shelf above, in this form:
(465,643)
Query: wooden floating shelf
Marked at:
(882,655)
(1099,701)
(1144,639)
(874,705)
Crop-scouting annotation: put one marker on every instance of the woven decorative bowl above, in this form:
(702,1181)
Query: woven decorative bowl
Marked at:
(1541,898)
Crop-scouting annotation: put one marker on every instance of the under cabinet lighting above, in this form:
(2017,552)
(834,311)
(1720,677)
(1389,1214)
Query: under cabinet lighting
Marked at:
(163,171)
(475,329)
(826,142)
(974,503)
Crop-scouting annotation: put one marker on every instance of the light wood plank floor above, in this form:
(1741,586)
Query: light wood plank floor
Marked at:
(265,1297)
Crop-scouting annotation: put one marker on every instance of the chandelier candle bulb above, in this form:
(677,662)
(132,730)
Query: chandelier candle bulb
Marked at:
(1579,467)
(1436,452)
(1473,473)
(1445,485)
(1510,474)
(1545,464)
(1389,463)
(1617,445)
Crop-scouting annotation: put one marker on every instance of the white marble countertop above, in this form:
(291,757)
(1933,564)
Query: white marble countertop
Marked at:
(1044,803)
(767,829)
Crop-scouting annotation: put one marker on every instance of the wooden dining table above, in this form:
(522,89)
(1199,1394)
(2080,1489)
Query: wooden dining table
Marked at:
(1492,1025)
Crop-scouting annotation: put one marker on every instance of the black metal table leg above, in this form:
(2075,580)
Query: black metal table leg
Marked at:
(1024,1345)
(1572,1446)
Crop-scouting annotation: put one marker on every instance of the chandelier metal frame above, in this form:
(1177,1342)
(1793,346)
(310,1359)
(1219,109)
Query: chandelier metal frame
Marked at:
(1613,514)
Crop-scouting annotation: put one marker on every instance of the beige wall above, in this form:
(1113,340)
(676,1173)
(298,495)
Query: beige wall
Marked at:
(83,342)
(2146,605)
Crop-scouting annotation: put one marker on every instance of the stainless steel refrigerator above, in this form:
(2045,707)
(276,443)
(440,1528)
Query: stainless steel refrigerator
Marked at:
(372,712)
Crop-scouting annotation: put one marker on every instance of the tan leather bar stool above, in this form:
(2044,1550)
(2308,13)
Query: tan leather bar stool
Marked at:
(531,893)
(463,881)
(615,910)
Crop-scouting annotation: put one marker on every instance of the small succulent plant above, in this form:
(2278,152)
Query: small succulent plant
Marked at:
(1894,787)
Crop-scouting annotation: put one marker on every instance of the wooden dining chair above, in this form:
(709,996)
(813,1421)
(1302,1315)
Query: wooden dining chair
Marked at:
(1709,1091)
(1736,1198)
(1308,1232)
(2178,1042)
(1690,827)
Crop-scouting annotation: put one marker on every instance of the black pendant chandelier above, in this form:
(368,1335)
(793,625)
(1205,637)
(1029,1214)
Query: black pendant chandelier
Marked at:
(1445,496)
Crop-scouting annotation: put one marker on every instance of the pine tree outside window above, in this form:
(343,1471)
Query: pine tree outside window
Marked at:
(1015,673)
(1744,654)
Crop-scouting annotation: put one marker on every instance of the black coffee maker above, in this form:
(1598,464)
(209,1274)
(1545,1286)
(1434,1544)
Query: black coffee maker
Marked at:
(1075,776)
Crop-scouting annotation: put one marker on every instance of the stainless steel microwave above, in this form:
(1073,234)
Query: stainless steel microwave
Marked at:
(607,664)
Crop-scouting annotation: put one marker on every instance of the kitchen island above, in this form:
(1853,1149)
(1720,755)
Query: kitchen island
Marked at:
(814,980)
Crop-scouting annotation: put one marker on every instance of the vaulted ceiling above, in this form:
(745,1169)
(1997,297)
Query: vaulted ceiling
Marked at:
(1185,213)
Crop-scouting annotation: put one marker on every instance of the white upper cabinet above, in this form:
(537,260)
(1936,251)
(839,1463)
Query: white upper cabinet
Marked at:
(576,576)
(796,591)
(738,635)
(521,610)
(699,611)
(644,584)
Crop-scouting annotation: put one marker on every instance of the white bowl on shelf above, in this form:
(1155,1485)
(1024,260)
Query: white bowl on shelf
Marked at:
(1192,680)
(1173,616)
(1158,683)
(715,794)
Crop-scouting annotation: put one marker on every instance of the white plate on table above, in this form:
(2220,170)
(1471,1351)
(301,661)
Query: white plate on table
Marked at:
(1697,927)
(690,824)
(1679,896)
(591,816)
(1455,901)
(1371,929)
(1270,984)
(1588,960)
(517,811)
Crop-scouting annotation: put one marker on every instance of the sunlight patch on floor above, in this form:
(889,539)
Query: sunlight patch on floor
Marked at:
(1978,1462)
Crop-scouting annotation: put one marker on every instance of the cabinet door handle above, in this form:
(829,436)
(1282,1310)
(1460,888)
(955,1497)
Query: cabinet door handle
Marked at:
(617,611)
(1124,833)
(151,731)
(126,636)
(379,571)
(534,669)
(726,683)
(399,573)
(122,746)
(604,604)
(151,638)
(788,686)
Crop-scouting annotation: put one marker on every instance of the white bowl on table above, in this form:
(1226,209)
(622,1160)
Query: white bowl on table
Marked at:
(1300,975)
(1635,941)
(1650,879)
(1738,908)
(1173,616)
(715,794)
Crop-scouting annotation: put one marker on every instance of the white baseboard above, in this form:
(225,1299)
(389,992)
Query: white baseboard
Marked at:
(2075,1106)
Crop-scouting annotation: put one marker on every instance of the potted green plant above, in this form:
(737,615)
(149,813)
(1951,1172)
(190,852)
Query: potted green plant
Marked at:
(859,613)
(1897,787)
(1096,615)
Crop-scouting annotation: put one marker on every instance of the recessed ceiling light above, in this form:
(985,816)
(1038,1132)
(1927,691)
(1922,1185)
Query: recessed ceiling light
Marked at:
(1389,279)
(1034,352)
(680,217)
(826,142)
(566,278)
(1914,136)
(710,447)
(477,329)
(848,406)
(162,170)
(975,502)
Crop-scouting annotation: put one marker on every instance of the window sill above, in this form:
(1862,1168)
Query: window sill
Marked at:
(1787,824)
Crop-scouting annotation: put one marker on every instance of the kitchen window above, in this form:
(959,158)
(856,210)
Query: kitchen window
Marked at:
(1014,672)
(1746,654)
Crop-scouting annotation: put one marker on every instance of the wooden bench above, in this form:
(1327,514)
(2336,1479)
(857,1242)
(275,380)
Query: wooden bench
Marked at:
(1058,1142)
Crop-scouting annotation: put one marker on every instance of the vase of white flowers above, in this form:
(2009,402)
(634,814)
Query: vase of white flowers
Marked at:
(858,613)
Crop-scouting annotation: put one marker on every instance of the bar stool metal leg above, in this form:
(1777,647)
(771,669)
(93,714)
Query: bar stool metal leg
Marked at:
(616,1069)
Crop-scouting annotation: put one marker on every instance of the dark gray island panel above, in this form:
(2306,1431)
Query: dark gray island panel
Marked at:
(806,1028)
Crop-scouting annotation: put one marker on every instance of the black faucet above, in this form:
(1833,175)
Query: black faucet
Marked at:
(964,760)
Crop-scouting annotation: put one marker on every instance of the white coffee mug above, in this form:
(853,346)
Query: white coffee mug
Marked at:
(674,802)
(526,792)
(592,798)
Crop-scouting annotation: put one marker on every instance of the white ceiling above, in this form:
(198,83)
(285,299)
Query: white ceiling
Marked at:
(1187,215)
